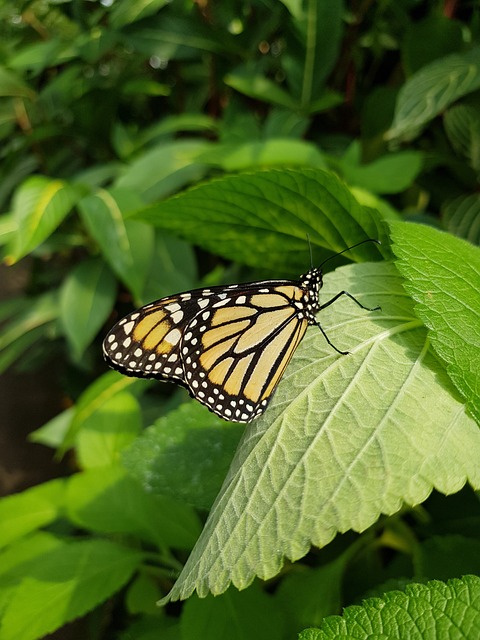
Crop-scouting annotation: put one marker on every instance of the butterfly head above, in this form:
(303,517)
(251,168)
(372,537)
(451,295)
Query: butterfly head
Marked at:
(311,283)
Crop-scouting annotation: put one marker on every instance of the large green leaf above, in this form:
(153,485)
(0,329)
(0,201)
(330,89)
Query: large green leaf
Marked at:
(62,585)
(442,274)
(263,218)
(432,89)
(431,611)
(345,439)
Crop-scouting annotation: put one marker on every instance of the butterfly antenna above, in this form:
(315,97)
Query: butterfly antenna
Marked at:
(348,249)
(310,249)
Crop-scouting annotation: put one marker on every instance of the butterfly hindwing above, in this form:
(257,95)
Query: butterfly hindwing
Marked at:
(147,342)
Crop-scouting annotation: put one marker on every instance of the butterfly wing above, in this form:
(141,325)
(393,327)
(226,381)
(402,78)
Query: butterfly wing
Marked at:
(147,342)
(229,346)
(236,350)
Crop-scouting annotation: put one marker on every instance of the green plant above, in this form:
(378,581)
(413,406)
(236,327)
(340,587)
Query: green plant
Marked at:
(300,120)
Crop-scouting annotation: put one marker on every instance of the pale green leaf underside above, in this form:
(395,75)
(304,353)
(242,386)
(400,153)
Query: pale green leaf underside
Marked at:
(424,612)
(345,439)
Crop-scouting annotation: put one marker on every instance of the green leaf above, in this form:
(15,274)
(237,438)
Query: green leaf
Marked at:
(344,440)
(462,126)
(86,299)
(11,84)
(443,557)
(142,595)
(24,512)
(308,595)
(191,437)
(424,612)
(165,169)
(442,274)
(39,206)
(176,261)
(53,432)
(7,228)
(253,84)
(127,245)
(108,500)
(272,152)
(64,584)
(461,217)
(109,430)
(246,615)
(391,173)
(174,37)
(125,12)
(98,394)
(26,327)
(38,56)
(263,218)
(432,89)
(152,628)
(20,553)
(308,63)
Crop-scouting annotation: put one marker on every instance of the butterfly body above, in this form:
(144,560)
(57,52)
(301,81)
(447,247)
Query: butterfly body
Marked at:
(228,345)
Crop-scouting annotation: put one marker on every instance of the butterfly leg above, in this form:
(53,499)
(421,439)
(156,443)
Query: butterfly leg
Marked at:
(345,293)
(327,304)
(343,353)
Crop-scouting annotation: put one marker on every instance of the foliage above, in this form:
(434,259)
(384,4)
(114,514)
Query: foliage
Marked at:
(424,611)
(153,147)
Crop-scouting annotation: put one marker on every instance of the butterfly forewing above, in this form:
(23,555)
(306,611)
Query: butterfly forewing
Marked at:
(235,351)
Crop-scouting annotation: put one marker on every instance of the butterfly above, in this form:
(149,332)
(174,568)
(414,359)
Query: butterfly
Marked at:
(227,345)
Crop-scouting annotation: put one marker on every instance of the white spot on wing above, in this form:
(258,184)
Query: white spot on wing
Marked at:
(177,316)
(173,337)
(128,326)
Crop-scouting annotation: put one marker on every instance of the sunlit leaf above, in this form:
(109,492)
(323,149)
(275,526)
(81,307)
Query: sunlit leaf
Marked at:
(344,440)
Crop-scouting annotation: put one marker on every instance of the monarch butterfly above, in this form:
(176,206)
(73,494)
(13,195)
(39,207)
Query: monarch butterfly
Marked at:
(228,345)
